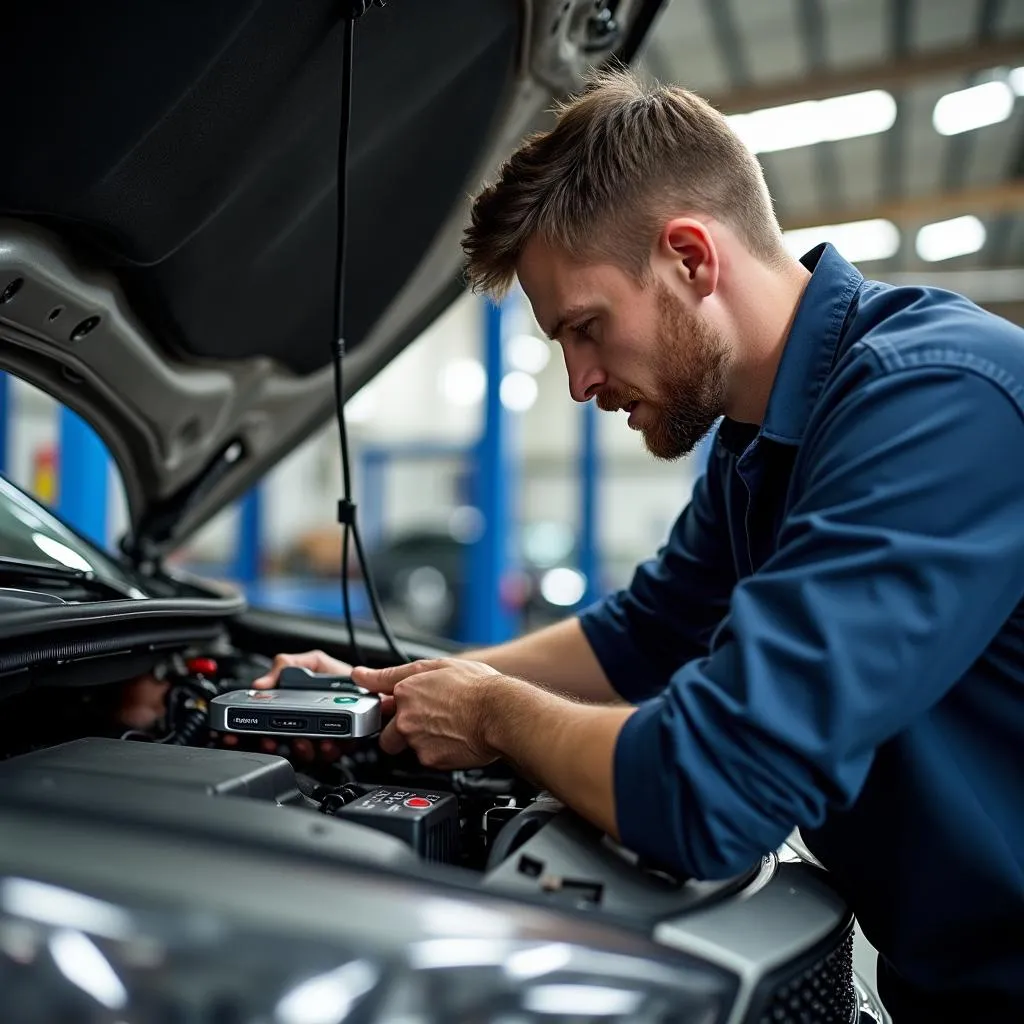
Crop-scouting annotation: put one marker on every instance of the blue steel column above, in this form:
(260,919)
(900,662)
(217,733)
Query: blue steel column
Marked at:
(487,619)
(6,412)
(590,469)
(250,536)
(83,469)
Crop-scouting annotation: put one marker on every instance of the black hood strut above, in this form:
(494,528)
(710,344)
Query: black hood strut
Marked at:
(352,10)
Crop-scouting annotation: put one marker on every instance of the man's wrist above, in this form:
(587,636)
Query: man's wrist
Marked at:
(562,746)
(504,702)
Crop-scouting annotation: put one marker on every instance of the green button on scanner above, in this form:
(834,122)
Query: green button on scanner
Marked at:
(345,700)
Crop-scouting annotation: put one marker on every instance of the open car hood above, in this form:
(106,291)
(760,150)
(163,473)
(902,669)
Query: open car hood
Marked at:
(168,210)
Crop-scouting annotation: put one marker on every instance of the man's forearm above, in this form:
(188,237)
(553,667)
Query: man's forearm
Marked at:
(558,658)
(565,747)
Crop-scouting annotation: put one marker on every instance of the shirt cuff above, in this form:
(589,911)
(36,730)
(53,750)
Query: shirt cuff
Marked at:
(646,807)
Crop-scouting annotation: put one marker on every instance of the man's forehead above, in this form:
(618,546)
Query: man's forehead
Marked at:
(543,279)
(557,286)
(540,267)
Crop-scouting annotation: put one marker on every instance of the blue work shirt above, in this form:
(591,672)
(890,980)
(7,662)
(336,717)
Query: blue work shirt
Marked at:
(833,638)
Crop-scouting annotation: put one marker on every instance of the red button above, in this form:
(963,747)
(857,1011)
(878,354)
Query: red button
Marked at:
(202,666)
(417,802)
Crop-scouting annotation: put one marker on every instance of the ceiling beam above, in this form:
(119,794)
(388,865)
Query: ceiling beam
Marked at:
(1005,197)
(733,52)
(960,147)
(893,145)
(1002,286)
(1012,311)
(997,290)
(828,172)
(728,41)
(886,74)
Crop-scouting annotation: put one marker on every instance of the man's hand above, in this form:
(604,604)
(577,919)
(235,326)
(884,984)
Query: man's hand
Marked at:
(440,709)
(463,714)
(315,661)
(143,702)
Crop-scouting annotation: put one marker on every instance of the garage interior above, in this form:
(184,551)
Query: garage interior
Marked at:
(892,128)
(490,503)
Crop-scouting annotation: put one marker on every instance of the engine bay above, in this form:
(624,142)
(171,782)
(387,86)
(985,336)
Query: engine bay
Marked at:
(154,728)
(125,765)
(146,742)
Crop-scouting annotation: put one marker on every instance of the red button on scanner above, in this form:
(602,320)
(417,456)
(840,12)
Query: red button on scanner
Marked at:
(418,802)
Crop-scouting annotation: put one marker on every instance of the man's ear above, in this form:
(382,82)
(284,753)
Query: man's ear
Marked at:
(688,245)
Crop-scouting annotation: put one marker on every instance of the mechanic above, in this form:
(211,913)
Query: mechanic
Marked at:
(832,637)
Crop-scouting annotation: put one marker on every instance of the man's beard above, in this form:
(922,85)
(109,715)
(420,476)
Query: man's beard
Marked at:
(689,361)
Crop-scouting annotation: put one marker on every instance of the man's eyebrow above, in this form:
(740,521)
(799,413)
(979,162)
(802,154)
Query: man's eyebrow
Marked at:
(572,313)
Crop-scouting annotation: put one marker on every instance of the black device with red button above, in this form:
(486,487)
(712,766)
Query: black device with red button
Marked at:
(427,821)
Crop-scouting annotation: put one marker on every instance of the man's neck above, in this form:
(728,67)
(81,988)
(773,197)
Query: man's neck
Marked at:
(763,311)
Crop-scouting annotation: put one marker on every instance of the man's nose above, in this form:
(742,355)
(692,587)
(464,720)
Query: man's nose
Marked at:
(586,378)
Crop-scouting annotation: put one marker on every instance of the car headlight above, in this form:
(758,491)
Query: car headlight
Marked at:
(499,981)
(150,966)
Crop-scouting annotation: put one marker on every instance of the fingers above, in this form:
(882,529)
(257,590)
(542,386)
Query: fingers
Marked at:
(315,661)
(383,680)
(302,750)
(379,680)
(391,740)
(143,702)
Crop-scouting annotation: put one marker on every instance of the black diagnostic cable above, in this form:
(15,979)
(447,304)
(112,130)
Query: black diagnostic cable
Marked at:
(192,722)
(346,507)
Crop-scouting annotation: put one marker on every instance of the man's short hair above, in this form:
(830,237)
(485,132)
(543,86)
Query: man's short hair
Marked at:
(623,157)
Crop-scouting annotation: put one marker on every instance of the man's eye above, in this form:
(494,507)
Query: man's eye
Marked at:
(583,329)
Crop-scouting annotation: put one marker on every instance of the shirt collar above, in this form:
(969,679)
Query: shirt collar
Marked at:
(810,347)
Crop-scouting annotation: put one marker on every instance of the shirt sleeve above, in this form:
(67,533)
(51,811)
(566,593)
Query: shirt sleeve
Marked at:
(674,603)
(898,564)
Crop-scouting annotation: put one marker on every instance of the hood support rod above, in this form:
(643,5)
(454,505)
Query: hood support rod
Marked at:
(353,9)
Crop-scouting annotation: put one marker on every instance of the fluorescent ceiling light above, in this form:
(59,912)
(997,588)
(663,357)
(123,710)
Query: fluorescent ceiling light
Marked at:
(466,524)
(518,391)
(528,353)
(463,382)
(814,121)
(967,109)
(860,241)
(1016,80)
(562,587)
(948,238)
